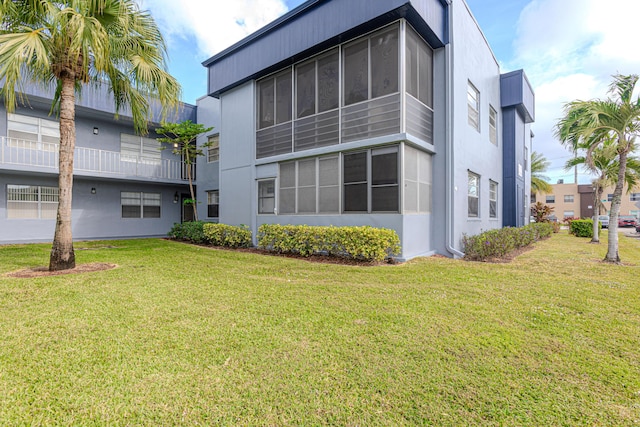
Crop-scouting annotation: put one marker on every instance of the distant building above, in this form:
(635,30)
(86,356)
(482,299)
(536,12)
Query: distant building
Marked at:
(577,201)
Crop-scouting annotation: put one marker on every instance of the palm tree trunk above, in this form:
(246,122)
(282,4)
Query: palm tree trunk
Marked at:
(62,254)
(596,212)
(612,248)
(193,197)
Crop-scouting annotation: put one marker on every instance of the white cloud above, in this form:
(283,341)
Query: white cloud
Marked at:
(569,50)
(213,24)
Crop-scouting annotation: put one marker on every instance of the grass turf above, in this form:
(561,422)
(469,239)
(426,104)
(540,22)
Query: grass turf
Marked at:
(186,335)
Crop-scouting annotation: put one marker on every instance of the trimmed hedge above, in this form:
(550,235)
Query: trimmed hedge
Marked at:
(230,236)
(499,242)
(582,227)
(360,243)
(190,231)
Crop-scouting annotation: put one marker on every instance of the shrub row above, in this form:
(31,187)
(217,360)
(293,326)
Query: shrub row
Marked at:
(230,236)
(360,243)
(500,242)
(582,227)
(214,234)
(192,231)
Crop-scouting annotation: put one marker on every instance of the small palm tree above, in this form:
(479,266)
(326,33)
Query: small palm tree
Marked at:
(539,165)
(603,161)
(71,43)
(592,123)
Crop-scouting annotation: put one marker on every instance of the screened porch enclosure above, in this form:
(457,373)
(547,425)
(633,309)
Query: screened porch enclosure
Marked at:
(378,84)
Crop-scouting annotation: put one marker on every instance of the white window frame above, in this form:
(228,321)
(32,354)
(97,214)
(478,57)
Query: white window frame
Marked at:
(269,196)
(473,192)
(550,198)
(147,152)
(213,199)
(473,106)
(213,151)
(40,128)
(19,207)
(634,197)
(493,126)
(143,201)
(493,199)
(569,198)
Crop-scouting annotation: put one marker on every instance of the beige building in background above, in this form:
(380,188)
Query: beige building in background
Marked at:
(576,201)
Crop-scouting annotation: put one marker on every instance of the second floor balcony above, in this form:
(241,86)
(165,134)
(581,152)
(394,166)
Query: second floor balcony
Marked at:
(20,154)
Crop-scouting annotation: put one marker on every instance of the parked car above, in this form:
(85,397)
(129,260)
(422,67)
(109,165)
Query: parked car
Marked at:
(604,220)
(638,228)
(627,221)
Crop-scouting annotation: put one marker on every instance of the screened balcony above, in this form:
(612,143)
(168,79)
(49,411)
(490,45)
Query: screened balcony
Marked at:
(43,156)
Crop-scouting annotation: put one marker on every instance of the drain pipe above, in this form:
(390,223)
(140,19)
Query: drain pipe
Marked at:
(449,151)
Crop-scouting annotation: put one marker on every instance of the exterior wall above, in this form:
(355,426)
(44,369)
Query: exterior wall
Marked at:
(473,152)
(95,216)
(208,173)
(237,154)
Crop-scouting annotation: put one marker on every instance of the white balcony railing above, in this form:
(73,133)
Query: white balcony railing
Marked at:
(45,155)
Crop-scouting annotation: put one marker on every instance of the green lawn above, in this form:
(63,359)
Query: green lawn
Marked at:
(185,335)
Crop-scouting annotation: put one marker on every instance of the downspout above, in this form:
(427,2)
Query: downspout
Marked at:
(449,152)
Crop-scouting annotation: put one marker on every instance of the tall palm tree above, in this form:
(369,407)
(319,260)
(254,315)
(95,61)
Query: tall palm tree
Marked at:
(591,123)
(71,43)
(539,165)
(603,161)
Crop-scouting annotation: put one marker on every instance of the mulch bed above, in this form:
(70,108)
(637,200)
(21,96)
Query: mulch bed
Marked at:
(44,271)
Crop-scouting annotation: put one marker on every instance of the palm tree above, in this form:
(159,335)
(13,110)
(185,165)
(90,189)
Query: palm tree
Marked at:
(71,43)
(591,123)
(603,161)
(539,165)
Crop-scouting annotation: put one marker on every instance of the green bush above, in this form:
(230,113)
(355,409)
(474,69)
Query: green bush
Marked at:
(582,227)
(499,242)
(230,236)
(189,231)
(359,243)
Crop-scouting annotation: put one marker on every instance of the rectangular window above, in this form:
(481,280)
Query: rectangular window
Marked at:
(384,180)
(634,197)
(609,197)
(140,205)
(309,186)
(473,106)
(493,199)
(419,68)
(31,202)
(473,195)
(134,148)
(550,199)
(213,203)
(355,173)
(568,214)
(267,196)
(274,100)
(371,67)
(213,151)
(417,181)
(493,126)
(32,133)
(568,198)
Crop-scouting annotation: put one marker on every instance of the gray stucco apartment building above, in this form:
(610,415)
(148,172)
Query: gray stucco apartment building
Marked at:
(389,113)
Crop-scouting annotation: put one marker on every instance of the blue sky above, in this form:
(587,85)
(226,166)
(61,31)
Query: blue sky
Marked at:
(568,48)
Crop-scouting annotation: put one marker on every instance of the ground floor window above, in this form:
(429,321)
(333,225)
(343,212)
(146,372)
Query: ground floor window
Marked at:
(137,204)
(473,195)
(366,181)
(31,202)
(493,199)
(568,214)
(213,203)
(371,181)
(267,196)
